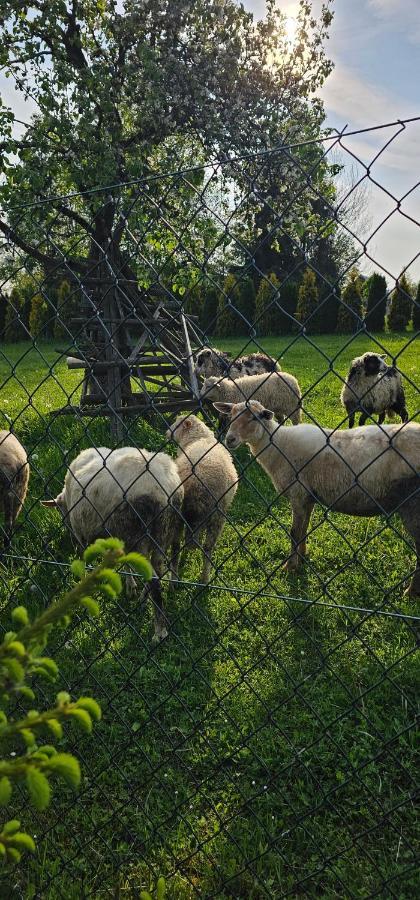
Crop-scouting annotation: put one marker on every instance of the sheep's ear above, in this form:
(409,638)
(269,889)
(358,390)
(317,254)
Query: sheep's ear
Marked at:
(224,408)
(187,423)
(49,503)
(266,414)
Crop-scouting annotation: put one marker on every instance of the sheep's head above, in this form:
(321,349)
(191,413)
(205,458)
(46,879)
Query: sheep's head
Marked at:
(210,388)
(248,422)
(58,503)
(203,362)
(373,363)
(185,429)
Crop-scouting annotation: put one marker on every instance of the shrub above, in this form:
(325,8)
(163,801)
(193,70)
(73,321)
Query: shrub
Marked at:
(307,305)
(67,301)
(351,305)
(375,291)
(14,320)
(21,657)
(227,321)
(401,305)
(39,317)
(266,309)
(208,314)
(245,304)
(416,310)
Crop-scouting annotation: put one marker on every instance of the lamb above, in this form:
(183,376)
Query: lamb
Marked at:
(366,472)
(216,362)
(373,387)
(127,493)
(14,478)
(210,481)
(278,391)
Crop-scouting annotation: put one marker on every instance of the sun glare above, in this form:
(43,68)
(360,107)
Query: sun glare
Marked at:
(290,28)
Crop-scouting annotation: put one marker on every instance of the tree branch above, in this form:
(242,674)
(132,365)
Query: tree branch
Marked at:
(50,262)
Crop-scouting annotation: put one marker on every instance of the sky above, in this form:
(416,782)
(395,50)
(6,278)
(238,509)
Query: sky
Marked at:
(375,47)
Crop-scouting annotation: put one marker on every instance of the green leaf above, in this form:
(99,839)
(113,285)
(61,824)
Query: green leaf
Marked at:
(28,736)
(11,826)
(14,854)
(67,766)
(78,567)
(5,790)
(49,665)
(107,591)
(21,839)
(139,563)
(83,718)
(112,578)
(38,787)
(92,707)
(160,888)
(91,605)
(55,727)
(62,698)
(17,648)
(20,616)
(14,668)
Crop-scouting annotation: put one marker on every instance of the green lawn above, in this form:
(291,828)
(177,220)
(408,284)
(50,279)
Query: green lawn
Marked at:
(267,748)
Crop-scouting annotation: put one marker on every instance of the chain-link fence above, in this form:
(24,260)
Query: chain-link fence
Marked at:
(266,746)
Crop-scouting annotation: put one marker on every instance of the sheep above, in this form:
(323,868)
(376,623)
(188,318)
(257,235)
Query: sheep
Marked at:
(278,391)
(131,494)
(373,387)
(366,472)
(14,478)
(216,362)
(210,481)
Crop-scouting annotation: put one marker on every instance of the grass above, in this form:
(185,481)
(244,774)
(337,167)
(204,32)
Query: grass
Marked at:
(267,749)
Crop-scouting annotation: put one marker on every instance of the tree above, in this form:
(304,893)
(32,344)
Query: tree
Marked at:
(14,320)
(307,306)
(67,300)
(208,316)
(416,310)
(375,291)
(39,317)
(121,94)
(245,304)
(401,305)
(22,658)
(286,308)
(351,305)
(227,320)
(266,305)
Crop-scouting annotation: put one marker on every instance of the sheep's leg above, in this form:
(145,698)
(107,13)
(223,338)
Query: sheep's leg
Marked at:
(410,515)
(213,531)
(301,517)
(400,409)
(381,419)
(155,588)
(9,518)
(176,550)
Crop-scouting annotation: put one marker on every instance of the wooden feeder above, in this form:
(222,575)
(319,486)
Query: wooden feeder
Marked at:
(150,342)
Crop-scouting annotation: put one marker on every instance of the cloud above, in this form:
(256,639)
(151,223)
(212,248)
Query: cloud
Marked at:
(405,16)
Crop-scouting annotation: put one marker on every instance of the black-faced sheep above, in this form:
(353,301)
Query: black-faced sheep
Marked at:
(216,362)
(277,390)
(210,481)
(373,387)
(14,478)
(127,493)
(366,472)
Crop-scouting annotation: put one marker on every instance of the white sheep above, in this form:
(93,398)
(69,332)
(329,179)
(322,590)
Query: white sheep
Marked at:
(127,493)
(14,478)
(210,481)
(372,386)
(209,362)
(277,390)
(365,472)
